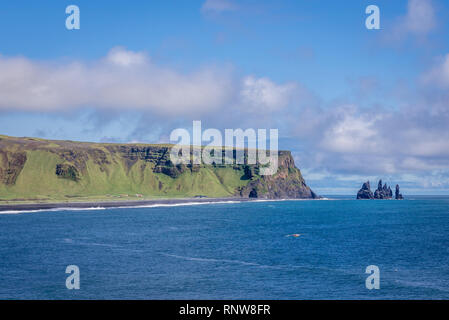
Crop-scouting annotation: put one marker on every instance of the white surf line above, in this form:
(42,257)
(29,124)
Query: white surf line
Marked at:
(174,204)
(51,210)
(281,200)
(156,205)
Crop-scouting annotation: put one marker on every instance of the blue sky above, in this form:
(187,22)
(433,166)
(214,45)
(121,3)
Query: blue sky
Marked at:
(352,104)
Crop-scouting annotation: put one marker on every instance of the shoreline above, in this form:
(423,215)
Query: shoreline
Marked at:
(26,207)
(113,204)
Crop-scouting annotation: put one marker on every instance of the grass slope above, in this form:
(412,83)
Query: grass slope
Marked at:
(114,179)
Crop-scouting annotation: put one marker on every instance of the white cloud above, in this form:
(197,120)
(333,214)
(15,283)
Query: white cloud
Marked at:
(419,20)
(122,57)
(125,80)
(359,141)
(409,140)
(352,133)
(265,95)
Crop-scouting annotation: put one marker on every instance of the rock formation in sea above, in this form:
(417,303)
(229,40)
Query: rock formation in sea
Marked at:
(365,192)
(382,192)
(398,195)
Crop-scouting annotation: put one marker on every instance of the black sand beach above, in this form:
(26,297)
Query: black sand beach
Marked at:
(112,204)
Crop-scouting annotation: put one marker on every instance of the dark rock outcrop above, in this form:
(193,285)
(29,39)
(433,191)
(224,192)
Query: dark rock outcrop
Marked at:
(170,170)
(11,164)
(286,183)
(398,195)
(383,192)
(67,171)
(365,192)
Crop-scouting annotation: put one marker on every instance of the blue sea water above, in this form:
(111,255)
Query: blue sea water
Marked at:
(231,251)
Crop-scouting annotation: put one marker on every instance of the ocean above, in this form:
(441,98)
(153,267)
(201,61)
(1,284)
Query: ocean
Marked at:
(231,251)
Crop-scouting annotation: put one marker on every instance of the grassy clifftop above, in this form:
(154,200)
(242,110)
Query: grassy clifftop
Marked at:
(34,169)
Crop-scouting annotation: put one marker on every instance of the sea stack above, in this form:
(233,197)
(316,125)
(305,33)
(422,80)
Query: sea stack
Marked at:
(398,196)
(365,192)
(383,192)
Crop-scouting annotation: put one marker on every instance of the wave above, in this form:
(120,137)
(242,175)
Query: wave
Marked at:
(421,284)
(51,210)
(279,200)
(286,267)
(174,204)
(222,261)
(77,242)
(157,205)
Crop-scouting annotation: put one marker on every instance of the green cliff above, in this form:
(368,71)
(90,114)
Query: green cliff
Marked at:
(34,169)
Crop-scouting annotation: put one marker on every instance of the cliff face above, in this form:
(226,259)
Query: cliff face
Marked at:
(11,164)
(365,192)
(383,192)
(397,194)
(287,183)
(32,169)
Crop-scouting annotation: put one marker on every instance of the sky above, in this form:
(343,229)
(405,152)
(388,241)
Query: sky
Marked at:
(351,104)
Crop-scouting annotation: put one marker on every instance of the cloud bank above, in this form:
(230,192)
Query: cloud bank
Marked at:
(123,79)
(127,80)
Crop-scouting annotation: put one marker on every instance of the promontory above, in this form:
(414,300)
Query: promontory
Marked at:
(33,169)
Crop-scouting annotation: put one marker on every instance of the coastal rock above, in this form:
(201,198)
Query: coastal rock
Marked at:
(365,192)
(398,195)
(286,183)
(11,165)
(67,171)
(383,192)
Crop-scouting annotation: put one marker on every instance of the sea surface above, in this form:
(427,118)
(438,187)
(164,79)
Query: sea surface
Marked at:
(231,251)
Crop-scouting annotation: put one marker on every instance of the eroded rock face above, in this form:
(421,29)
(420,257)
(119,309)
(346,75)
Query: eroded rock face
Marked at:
(67,171)
(383,192)
(398,195)
(365,192)
(11,164)
(287,183)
